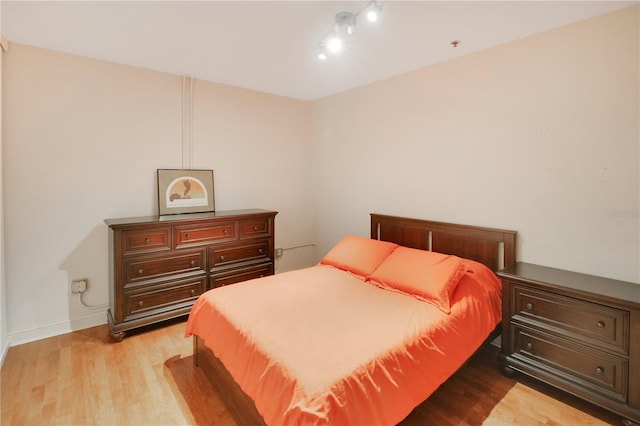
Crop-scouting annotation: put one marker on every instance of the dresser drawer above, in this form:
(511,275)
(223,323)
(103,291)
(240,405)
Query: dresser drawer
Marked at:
(253,228)
(583,367)
(239,275)
(143,268)
(146,240)
(163,297)
(580,320)
(192,235)
(231,255)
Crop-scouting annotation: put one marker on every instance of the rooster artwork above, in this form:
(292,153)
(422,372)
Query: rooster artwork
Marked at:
(186,191)
(185,194)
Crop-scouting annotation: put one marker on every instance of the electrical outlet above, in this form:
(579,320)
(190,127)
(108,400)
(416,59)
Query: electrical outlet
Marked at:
(78,286)
(279,252)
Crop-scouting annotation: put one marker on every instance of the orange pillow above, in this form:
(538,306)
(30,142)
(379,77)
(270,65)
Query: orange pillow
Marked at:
(429,276)
(358,255)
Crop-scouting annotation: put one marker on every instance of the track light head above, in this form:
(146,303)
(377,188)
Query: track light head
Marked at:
(344,18)
(334,44)
(374,11)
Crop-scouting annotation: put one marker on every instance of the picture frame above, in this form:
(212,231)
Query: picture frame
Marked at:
(185,191)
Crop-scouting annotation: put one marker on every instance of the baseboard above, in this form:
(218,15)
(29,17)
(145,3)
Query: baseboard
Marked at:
(5,349)
(57,328)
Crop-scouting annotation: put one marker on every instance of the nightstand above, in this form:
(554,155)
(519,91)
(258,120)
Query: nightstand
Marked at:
(578,332)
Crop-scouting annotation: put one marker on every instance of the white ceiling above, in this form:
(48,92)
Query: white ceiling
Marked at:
(271,46)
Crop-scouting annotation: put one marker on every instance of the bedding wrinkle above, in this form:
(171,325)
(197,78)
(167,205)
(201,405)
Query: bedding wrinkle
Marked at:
(319,346)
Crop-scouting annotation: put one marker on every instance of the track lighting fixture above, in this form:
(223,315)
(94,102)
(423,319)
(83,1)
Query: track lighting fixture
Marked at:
(347,22)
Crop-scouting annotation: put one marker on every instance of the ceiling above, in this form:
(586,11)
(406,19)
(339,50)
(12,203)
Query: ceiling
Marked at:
(271,46)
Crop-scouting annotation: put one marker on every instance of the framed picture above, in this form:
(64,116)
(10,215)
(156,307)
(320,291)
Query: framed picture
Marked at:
(185,191)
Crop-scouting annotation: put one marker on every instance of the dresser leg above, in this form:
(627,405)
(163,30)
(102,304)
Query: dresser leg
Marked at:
(118,336)
(508,371)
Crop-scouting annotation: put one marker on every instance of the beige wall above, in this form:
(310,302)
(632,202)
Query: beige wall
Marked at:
(83,140)
(4,340)
(539,135)
(261,148)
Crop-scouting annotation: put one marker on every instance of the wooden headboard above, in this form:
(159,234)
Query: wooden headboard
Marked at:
(495,248)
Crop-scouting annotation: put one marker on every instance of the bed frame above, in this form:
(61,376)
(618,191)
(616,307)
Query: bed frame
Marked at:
(495,248)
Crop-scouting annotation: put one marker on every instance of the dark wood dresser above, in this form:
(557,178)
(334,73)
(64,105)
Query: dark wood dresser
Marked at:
(159,265)
(578,332)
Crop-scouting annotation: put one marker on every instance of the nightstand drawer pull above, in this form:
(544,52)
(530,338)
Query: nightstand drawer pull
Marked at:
(600,324)
(260,251)
(147,240)
(222,258)
(193,292)
(529,346)
(529,306)
(140,303)
(193,263)
(600,371)
(140,271)
(225,231)
(187,236)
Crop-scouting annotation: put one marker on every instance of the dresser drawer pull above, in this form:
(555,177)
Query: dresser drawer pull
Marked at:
(187,236)
(147,240)
(222,258)
(529,346)
(140,303)
(600,371)
(260,251)
(193,292)
(193,263)
(529,306)
(140,271)
(600,324)
(224,231)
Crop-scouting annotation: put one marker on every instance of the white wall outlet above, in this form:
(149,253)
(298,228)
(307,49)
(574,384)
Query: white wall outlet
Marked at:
(78,286)
(279,252)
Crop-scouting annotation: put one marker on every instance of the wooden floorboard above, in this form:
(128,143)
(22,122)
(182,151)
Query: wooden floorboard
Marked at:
(83,378)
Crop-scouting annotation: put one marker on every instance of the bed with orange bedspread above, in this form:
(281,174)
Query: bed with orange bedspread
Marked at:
(361,338)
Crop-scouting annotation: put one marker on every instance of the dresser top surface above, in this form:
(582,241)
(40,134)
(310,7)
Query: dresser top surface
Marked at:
(575,281)
(187,217)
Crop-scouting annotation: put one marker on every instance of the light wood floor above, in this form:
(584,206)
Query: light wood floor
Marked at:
(82,378)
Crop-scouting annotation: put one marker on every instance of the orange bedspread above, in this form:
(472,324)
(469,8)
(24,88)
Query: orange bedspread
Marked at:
(320,346)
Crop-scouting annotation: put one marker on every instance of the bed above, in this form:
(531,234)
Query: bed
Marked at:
(361,338)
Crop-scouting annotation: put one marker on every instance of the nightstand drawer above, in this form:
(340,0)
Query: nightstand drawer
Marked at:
(587,368)
(191,235)
(140,269)
(146,240)
(578,319)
